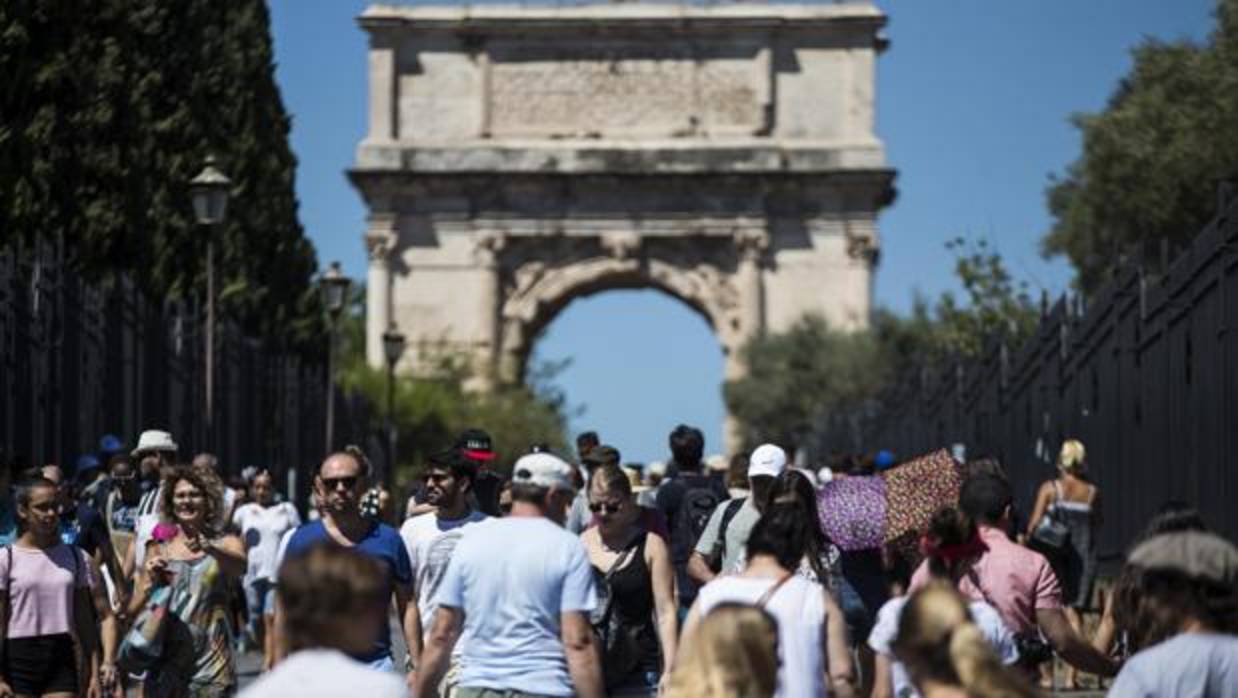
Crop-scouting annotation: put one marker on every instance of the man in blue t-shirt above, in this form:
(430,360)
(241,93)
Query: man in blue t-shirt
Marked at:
(517,596)
(339,485)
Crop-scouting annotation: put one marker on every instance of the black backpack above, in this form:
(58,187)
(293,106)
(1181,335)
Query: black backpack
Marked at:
(698,504)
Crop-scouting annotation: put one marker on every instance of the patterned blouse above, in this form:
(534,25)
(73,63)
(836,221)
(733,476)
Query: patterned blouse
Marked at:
(198,660)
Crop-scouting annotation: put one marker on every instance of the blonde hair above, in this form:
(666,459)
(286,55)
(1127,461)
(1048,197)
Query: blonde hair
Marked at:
(732,654)
(1073,457)
(937,640)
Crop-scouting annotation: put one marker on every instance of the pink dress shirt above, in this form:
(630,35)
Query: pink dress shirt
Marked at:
(1013,579)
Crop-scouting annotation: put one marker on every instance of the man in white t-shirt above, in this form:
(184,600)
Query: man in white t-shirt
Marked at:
(517,597)
(431,538)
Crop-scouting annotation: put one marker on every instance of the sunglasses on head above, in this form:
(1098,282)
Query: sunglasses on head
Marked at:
(332,483)
(605,507)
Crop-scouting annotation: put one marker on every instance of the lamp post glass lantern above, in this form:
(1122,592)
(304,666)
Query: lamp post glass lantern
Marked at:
(335,294)
(209,191)
(393,347)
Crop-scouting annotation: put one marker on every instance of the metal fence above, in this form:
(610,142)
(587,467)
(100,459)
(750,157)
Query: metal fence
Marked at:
(1146,375)
(79,360)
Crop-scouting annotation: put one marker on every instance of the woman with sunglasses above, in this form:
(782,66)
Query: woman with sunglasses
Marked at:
(188,554)
(636,616)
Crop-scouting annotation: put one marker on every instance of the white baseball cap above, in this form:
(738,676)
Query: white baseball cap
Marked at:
(656,467)
(768,460)
(544,470)
(154,440)
(717,463)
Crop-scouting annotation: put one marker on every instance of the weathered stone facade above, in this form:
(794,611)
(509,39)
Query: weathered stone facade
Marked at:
(520,157)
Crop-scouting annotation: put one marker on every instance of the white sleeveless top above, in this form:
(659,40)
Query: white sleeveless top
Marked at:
(799,608)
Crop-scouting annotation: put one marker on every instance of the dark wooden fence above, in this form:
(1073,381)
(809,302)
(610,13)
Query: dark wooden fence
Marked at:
(1145,374)
(79,360)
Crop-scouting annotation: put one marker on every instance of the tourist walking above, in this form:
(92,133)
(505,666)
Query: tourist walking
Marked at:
(637,616)
(341,481)
(1018,582)
(154,453)
(1064,527)
(517,598)
(432,538)
(812,635)
(733,654)
(721,544)
(262,523)
(50,590)
(947,654)
(1183,616)
(335,601)
(950,546)
(83,526)
(579,515)
(687,499)
(188,554)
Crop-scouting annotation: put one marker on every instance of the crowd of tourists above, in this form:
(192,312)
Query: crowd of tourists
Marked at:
(141,572)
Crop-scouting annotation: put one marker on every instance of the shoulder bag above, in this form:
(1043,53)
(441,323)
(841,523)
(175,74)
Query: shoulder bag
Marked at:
(618,643)
(1052,532)
(143,645)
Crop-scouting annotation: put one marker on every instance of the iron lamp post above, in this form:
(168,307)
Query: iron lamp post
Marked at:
(209,191)
(335,297)
(393,348)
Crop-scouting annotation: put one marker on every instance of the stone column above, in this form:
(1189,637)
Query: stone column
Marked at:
(380,242)
(489,299)
(383,87)
(750,246)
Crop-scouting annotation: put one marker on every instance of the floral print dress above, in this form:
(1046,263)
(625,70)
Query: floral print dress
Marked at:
(198,660)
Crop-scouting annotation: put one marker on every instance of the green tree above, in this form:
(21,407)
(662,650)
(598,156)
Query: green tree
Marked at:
(799,379)
(1151,160)
(796,378)
(995,306)
(108,109)
(432,408)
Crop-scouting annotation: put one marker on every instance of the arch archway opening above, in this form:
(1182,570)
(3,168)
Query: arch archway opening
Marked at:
(642,361)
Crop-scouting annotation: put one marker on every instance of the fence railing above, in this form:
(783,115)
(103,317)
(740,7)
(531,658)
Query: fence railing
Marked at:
(79,360)
(1146,375)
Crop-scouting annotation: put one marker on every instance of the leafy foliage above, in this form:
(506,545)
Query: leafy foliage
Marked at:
(110,107)
(1151,160)
(798,379)
(434,407)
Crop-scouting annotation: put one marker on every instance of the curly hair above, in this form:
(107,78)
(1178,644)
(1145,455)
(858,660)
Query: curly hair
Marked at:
(1152,604)
(204,479)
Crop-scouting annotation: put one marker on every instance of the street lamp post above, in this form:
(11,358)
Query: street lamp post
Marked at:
(393,348)
(209,190)
(335,296)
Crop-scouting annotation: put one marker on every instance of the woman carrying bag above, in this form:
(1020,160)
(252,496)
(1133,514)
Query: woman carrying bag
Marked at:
(194,567)
(638,622)
(48,631)
(1063,528)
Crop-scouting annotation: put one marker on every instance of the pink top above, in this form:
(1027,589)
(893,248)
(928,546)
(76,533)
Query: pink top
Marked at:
(1014,580)
(39,585)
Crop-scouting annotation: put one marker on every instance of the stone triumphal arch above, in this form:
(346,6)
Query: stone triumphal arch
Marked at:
(520,157)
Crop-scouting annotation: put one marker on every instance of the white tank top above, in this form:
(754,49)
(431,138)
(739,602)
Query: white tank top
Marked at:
(799,608)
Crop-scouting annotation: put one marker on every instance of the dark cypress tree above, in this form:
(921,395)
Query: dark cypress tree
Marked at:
(109,107)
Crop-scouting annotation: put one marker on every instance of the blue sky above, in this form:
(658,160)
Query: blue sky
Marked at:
(974,99)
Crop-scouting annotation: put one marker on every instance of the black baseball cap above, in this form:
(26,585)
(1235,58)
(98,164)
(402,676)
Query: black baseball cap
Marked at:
(476,445)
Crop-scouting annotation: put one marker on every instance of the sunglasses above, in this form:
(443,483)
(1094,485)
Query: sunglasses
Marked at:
(331,483)
(605,507)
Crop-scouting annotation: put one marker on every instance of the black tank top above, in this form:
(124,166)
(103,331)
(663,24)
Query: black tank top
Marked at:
(632,589)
